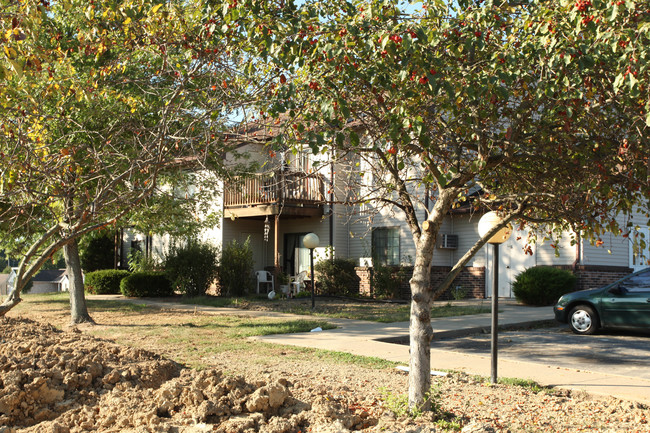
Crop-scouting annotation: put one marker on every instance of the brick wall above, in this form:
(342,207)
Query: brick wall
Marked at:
(592,277)
(364,274)
(471,280)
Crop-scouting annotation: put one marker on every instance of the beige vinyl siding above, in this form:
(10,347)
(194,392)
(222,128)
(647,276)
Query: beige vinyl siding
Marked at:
(466,227)
(241,228)
(545,254)
(341,231)
(614,252)
(360,239)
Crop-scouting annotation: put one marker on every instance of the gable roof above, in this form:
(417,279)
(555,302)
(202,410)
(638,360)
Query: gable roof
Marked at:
(50,275)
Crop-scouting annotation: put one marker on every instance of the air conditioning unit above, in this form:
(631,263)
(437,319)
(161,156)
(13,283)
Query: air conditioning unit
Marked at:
(449,242)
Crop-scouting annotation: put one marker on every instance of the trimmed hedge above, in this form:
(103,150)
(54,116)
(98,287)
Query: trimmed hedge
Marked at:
(543,285)
(146,284)
(104,282)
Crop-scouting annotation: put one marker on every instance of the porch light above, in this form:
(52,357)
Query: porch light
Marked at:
(311,241)
(485,224)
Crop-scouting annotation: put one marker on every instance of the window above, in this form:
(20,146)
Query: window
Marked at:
(385,246)
(637,283)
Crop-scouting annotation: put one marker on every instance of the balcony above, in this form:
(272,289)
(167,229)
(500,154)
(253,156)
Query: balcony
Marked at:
(288,193)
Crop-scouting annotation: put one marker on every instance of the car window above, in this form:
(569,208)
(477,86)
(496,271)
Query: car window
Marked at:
(638,283)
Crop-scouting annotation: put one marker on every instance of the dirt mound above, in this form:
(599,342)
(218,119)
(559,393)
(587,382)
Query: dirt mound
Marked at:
(60,382)
(53,381)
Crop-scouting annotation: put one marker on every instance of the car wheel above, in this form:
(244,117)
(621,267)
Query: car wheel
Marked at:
(583,320)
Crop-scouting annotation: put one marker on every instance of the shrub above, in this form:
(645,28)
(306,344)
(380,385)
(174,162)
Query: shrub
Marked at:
(542,285)
(97,251)
(236,269)
(192,268)
(139,262)
(387,282)
(104,282)
(338,277)
(146,284)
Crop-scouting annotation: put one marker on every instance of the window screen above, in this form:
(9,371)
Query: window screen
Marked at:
(385,246)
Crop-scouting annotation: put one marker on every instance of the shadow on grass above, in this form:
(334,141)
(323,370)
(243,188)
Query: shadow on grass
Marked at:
(58,299)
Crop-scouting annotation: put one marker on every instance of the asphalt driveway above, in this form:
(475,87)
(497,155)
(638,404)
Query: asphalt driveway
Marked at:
(623,353)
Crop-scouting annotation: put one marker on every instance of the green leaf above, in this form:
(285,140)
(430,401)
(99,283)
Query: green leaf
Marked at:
(618,82)
(354,138)
(614,14)
(344,109)
(442,180)
(340,139)
(647,119)
(633,82)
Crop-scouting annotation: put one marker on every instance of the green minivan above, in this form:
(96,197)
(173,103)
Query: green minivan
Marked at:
(623,304)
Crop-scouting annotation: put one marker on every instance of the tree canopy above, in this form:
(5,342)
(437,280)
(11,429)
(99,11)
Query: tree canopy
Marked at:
(537,109)
(104,105)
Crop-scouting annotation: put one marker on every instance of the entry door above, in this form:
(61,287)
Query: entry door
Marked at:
(296,256)
(512,261)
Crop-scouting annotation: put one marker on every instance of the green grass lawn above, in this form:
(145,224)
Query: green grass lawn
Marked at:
(337,308)
(188,337)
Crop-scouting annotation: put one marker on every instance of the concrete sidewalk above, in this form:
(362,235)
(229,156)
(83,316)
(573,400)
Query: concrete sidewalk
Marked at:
(371,339)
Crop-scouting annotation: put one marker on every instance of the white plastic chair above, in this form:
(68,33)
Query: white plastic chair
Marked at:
(264,277)
(297,282)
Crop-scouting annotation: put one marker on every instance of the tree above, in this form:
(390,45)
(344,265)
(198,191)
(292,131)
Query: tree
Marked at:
(539,110)
(97,250)
(104,106)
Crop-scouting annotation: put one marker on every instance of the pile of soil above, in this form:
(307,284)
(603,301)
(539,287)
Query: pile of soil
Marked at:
(66,381)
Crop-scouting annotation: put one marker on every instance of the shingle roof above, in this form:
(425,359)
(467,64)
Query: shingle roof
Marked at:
(50,275)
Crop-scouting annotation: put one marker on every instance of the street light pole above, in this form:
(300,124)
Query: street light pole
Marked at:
(495,316)
(485,224)
(313,283)
(311,241)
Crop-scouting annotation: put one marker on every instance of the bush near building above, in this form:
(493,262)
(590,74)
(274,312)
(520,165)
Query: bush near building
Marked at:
(337,277)
(543,285)
(105,282)
(192,267)
(236,269)
(146,284)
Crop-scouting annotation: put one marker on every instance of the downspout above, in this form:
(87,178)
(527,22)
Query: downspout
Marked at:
(577,261)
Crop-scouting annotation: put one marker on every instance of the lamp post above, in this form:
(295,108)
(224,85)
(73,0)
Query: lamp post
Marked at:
(485,224)
(311,241)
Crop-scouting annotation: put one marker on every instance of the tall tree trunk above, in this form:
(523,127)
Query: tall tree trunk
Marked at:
(420,330)
(78,309)
(421,334)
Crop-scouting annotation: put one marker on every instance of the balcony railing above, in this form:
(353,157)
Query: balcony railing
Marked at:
(286,188)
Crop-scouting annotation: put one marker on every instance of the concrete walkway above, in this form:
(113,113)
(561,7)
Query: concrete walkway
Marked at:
(370,339)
